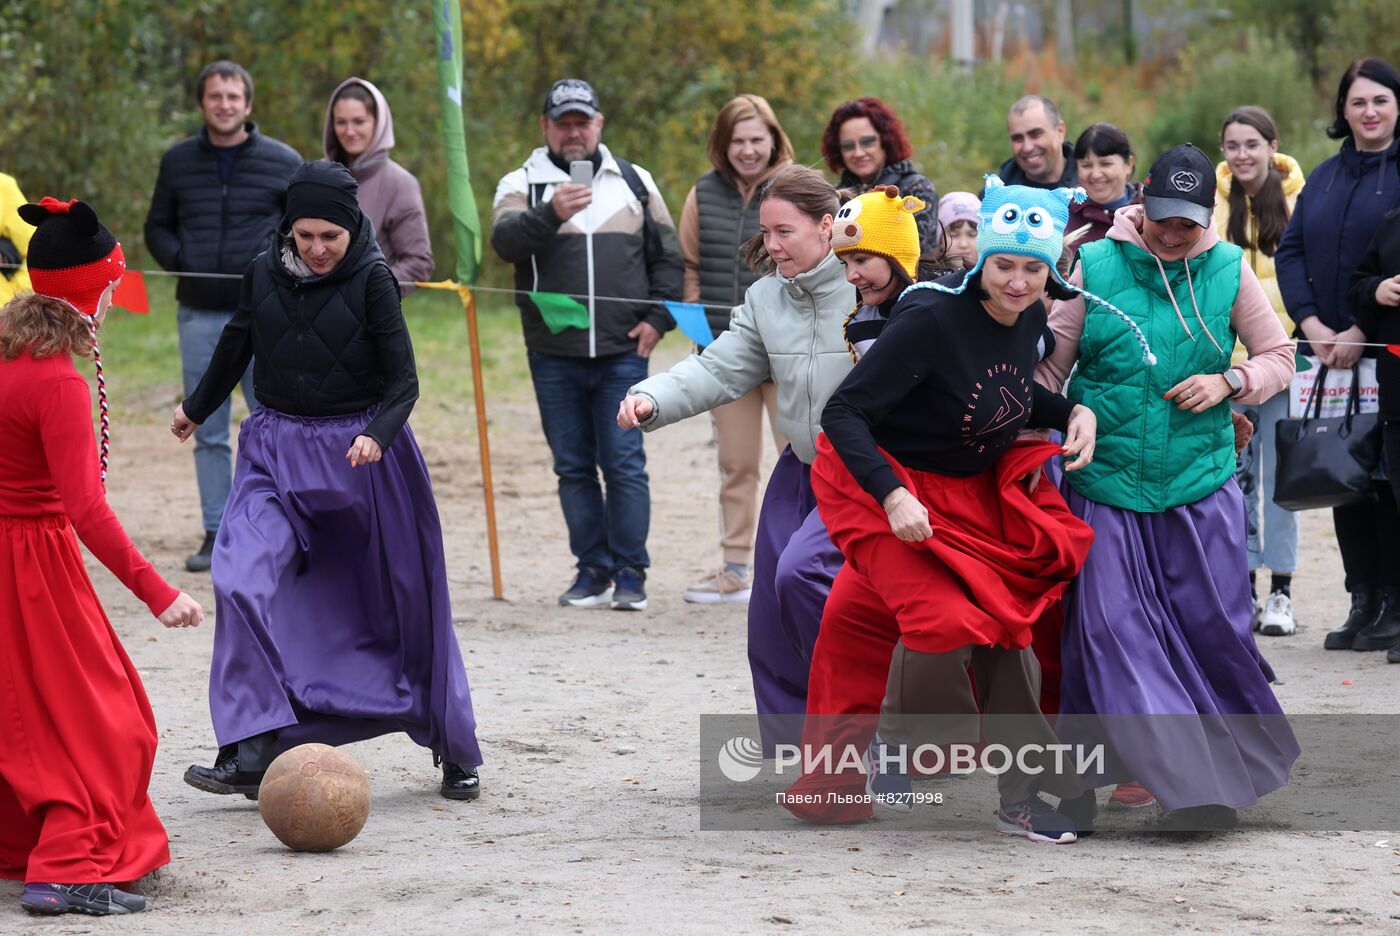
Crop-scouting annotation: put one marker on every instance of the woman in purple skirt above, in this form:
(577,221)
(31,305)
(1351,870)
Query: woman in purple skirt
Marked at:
(333,621)
(1158,625)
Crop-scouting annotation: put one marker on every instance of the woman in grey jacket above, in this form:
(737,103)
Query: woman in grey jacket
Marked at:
(788,330)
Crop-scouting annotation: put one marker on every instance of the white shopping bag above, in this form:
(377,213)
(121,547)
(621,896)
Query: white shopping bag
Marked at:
(1335,393)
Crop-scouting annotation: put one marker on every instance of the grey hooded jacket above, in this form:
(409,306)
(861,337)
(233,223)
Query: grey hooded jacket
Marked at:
(787,330)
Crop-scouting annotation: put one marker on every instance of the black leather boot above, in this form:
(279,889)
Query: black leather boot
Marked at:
(1384,630)
(1361,607)
(238,768)
(458,782)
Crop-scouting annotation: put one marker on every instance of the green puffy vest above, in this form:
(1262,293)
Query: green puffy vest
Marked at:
(1152,456)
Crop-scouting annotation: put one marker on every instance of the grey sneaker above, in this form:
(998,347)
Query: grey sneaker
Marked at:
(724,586)
(201,561)
(629,590)
(92,899)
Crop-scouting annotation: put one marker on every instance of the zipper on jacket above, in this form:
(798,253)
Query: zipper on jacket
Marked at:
(811,366)
(592,320)
(223,226)
(301,372)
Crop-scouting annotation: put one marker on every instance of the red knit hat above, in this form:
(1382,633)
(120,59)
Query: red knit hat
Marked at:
(72,255)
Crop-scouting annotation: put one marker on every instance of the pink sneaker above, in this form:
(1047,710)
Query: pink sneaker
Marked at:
(1131,796)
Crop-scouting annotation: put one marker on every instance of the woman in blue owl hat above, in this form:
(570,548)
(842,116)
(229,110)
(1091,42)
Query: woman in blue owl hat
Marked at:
(954,548)
(1159,622)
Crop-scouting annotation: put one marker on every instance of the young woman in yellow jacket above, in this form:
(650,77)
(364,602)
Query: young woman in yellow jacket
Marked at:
(1256,188)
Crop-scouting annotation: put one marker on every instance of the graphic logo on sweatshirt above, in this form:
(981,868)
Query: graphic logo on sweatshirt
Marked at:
(999,402)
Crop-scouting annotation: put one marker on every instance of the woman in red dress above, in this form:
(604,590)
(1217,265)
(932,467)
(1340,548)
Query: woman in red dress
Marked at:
(77,738)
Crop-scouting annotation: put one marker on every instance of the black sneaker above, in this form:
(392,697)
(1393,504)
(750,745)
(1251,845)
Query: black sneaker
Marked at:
(458,782)
(591,589)
(202,560)
(92,899)
(629,591)
(1037,820)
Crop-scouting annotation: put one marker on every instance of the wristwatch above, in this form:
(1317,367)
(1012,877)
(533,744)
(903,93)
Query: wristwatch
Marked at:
(1236,382)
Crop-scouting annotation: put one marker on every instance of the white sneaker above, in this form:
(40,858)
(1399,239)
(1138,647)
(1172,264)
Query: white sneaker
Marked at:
(1277,617)
(724,586)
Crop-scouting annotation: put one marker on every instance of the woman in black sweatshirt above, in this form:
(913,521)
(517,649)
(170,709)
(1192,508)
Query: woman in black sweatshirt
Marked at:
(953,545)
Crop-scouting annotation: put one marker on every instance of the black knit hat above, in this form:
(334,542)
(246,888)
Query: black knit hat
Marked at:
(324,190)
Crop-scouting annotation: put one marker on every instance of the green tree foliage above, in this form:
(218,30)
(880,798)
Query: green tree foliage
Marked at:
(1222,71)
(95,90)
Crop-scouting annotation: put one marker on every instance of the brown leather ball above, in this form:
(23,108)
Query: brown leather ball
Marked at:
(315,798)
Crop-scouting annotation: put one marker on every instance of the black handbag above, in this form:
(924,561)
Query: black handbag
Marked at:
(1327,462)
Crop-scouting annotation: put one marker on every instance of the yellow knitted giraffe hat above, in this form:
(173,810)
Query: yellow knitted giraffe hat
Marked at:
(880,222)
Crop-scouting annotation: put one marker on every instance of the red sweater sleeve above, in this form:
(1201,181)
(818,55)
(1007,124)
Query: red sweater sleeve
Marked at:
(70,447)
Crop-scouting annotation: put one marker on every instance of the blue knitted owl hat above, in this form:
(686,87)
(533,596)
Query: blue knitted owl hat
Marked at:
(1030,222)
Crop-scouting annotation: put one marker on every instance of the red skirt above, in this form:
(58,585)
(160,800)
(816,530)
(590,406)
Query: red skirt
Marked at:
(998,558)
(77,736)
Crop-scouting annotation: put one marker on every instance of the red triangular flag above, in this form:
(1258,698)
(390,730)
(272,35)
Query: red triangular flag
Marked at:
(130,293)
(1393,349)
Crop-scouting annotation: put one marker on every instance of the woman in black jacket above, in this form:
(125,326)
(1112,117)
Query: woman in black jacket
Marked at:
(865,144)
(333,617)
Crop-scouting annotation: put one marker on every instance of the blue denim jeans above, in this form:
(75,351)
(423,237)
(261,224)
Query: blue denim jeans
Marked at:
(1276,546)
(578,399)
(213,455)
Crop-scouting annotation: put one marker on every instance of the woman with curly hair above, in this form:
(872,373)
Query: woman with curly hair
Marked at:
(865,144)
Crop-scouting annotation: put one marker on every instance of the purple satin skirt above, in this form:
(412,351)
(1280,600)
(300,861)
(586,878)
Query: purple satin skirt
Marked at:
(1158,640)
(330,589)
(795,564)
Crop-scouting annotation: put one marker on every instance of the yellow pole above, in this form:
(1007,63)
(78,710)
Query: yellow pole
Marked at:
(479,393)
(487,487)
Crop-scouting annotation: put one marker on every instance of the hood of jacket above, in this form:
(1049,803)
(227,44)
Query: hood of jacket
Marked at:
(1293,177)
(289,269)
(377,153)
(1127,227)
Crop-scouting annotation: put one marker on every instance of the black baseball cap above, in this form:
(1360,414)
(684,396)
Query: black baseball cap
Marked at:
(571,94)
(1180,184)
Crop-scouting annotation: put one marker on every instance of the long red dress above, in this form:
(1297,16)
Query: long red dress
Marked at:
(77,736)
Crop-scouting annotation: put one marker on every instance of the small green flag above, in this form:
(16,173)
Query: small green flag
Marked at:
(466,225)
(1303,364)
(559,311)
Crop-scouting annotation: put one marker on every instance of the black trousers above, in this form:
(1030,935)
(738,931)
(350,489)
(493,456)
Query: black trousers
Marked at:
(1369,534)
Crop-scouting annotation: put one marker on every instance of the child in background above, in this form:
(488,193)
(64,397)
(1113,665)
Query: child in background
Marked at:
(957,215)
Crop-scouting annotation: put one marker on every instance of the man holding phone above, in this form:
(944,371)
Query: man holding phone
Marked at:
(591,232)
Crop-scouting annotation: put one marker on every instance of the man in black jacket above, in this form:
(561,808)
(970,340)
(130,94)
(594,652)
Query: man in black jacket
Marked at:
(1040,155)
(612,244)
(218,197)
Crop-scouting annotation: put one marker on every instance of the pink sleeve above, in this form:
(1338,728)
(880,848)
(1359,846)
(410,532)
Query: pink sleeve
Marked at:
(1066,320)
(70,447)
(1271,354)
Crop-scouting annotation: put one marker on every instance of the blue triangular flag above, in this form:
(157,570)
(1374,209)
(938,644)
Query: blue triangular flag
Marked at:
(690,318)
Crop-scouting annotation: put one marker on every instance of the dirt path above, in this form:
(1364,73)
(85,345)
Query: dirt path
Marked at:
(589,721)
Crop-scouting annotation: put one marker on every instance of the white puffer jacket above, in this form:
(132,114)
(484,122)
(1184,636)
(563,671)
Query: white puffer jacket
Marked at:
(787,330)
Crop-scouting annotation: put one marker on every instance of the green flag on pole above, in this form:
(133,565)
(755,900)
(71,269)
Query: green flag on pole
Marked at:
(466,226)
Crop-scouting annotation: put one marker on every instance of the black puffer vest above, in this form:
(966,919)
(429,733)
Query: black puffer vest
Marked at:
(726,223)
(312,350)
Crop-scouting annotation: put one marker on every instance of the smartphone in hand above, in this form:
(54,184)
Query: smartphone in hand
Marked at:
(581,172)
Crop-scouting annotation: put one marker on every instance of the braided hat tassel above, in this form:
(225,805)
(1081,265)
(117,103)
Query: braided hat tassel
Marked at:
(104,416)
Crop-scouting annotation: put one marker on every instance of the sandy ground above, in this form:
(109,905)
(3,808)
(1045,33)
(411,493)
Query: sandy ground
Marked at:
(589,721)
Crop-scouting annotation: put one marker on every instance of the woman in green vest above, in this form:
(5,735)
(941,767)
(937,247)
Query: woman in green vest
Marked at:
(1159,622)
